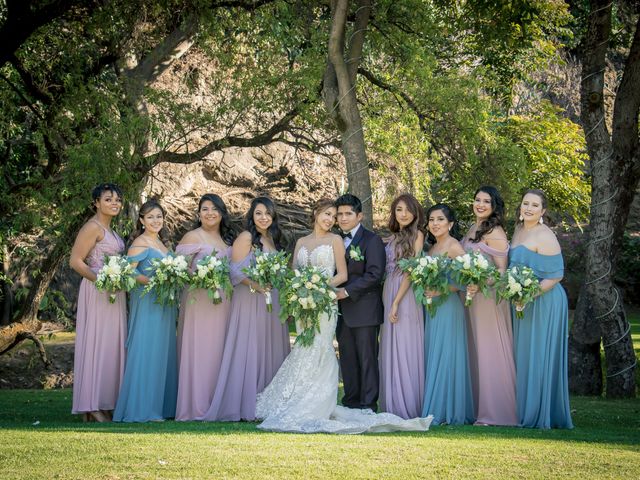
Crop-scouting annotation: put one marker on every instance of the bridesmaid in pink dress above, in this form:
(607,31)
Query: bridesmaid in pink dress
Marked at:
(202,325)
(256,342)
(101,326)
(491,355)
(402,335)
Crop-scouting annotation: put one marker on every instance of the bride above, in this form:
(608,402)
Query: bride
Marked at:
(302,396)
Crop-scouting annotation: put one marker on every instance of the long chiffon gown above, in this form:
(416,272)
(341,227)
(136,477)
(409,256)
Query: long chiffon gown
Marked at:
(150,380)
(101,332)
(448,395)
(202,329)
(401,347)
(491,357)
(540,347)
(254,348)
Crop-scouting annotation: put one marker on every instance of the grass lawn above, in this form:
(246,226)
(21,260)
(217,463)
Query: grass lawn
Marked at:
(40,439)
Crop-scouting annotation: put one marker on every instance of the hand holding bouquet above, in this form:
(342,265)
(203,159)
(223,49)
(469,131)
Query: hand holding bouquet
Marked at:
(116,275)
(304,296)
(212,274)
(473,268)
(170,278)
(269,271)
(518,285)
(427,273)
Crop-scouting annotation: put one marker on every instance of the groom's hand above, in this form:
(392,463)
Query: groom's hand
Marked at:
(341,294)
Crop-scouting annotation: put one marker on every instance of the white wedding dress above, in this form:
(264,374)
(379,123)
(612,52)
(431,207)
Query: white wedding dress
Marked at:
(302,396)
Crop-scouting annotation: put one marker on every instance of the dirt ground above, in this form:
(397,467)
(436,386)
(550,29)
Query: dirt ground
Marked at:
(23,368)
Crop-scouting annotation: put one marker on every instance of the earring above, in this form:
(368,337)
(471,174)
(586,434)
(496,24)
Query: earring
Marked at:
(521,218)
(541,221)
(142,227)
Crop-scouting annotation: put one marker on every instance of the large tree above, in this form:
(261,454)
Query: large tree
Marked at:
(613,144)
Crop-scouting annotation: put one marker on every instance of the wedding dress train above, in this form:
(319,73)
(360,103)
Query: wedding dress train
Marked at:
(302,396)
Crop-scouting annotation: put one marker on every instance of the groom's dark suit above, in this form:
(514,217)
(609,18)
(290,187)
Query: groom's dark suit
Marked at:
(361,314)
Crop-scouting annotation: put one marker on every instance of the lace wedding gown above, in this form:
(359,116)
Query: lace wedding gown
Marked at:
(302,396)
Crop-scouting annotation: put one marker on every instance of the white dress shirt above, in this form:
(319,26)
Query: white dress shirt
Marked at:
(347,240)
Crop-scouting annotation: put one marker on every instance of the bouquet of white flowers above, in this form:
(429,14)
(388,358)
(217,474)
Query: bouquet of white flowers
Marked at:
(212,274)
(518,285)
(304,296)
(473,268)
(116,275)
(427,273)
(269,271)
(170,277)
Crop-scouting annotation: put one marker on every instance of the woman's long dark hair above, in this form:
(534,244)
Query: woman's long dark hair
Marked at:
(226,231)
(450,215)
(496,219)
(406,237)
(144,209)
(274,228)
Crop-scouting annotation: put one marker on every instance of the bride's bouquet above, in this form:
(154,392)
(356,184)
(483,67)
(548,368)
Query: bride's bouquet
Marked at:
(427,273)
(269,271)
(518,285)
(116,275)
(170,277)
(304,296)
(212,274)
(473,268)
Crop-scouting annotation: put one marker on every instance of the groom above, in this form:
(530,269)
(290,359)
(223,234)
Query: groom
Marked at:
(360,304)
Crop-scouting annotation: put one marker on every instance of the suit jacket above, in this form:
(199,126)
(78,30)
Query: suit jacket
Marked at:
(363,307)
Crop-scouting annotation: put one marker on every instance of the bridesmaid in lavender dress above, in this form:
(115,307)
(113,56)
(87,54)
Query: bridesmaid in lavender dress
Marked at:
(203,325)
(402,334)
(101,326)
(491,355)
(256,342)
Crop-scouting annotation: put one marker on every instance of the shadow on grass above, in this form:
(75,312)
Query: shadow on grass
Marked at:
(597,420)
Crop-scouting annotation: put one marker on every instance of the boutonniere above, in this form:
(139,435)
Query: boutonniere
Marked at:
(356,254)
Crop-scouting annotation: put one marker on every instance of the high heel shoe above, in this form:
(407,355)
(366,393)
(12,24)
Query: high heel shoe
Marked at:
(99,417)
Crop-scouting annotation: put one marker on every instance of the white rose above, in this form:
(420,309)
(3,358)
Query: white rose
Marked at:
(293,298)
(202,272)
(467,264)
(482,262)
(527,282)
(332,295)
(308,285)
(423,261)
(315,278)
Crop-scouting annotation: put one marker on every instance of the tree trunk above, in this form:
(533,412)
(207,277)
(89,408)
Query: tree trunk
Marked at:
(615,172)
(339,92)
(7,294)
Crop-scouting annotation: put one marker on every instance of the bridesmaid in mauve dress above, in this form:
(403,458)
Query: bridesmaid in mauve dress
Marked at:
(448,395)
(402,334)
(540,338)
(101,326)
(491,354)
(150,381)
(255,345)
(203,324)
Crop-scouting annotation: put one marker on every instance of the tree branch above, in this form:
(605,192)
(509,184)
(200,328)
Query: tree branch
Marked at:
(263,138)
(354,55)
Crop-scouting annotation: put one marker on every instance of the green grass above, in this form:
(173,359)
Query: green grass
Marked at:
(604,444)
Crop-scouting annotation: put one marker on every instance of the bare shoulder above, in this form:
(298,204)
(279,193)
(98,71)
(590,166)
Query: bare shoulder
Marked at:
(90,229)
(547,242)
(190,237)
(455,249)
(243,238)
(497,239)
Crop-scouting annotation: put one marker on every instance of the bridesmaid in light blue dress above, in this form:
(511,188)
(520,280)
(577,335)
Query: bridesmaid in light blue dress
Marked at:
(540,338)
(448,394)
(150,384)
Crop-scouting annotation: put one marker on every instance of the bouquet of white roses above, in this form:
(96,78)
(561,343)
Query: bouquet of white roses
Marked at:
(269,271)
(170,277)
(518,285)
(116,275)
(305,295)
(212,274)
(427,273)
(473,268)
